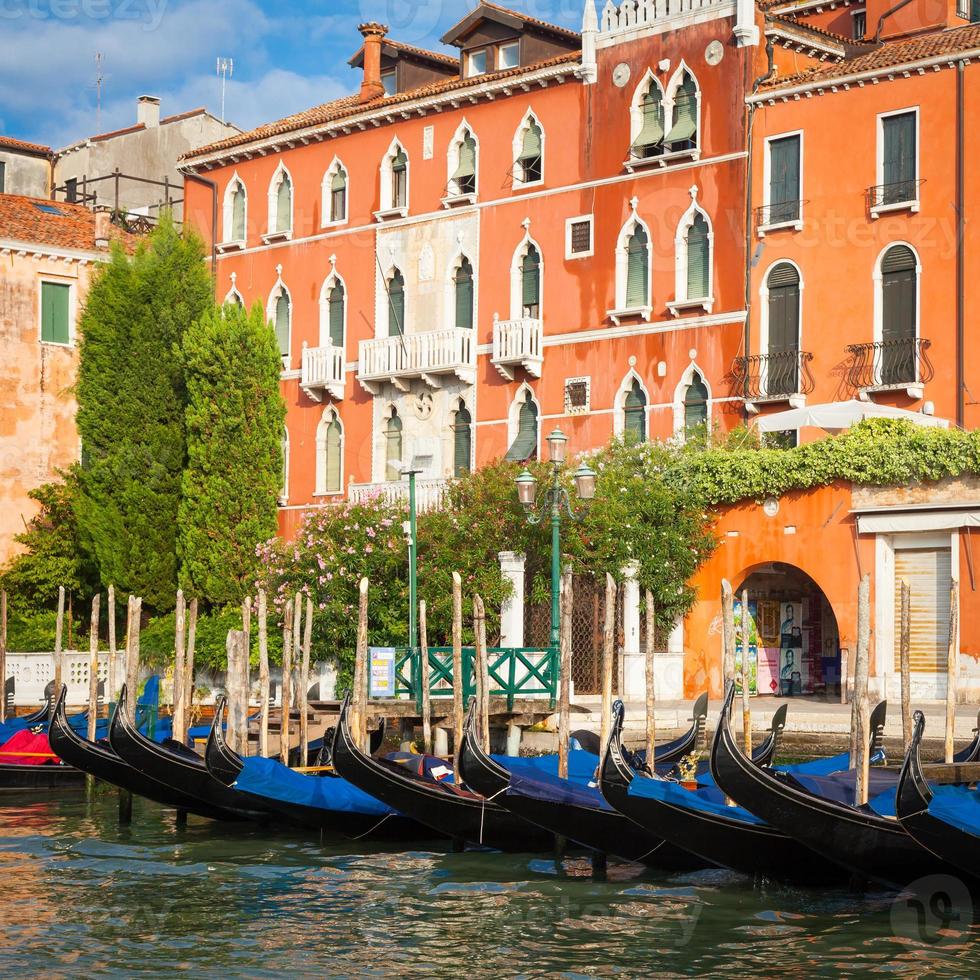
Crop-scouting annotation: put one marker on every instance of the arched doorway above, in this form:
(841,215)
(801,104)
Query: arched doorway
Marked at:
(794,641)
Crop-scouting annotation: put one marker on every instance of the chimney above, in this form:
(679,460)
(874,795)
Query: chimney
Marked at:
(103,221)
(371,87)
(148,111)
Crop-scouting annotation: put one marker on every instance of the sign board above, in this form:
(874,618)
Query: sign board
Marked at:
(381,673)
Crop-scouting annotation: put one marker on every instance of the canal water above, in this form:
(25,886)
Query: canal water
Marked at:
(82,896)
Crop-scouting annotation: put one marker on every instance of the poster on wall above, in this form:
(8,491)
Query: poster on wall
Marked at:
(768,670)
(768,622)
(792,669)
(750,626)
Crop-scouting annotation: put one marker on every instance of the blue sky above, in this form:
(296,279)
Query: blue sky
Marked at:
(288,56)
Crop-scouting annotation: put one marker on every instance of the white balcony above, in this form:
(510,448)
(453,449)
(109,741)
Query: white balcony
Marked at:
(433,357)
(323,371)
(518,344)
(428,493)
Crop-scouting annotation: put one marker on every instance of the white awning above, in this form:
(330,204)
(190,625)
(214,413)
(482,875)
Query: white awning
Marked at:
(842,415)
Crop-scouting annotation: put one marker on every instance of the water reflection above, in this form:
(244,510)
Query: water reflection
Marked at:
(83,895)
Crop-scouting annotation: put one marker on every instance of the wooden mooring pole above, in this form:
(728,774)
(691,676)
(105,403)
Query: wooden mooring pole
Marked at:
(425,680)
(746,708)
(188,685)
(59,658)
(861,712)
(110,683)
(180,639)
(263,674)
(359,694)
(608,649)
(133,649)
(458,679)
(651,693)
(287,656)
(93,683)
(952,664)
(482,671)
(727,634)
(905,655)
(297,650)
(304,687)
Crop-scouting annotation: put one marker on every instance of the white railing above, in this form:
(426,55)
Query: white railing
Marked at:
(637,14)
(429,494)
(419,355)
(32,672)
(518,343)
(323,367)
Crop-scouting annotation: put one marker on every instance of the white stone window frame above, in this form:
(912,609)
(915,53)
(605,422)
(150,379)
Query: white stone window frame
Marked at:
(449,445)
(681,300)
(619,404)
(329,415)
(569,225)
(517,281)
(797,223)
(453,197)
(234,296)
(636,116)
(278,289)
(680,396)
(388,209)
(518,183)
(271,235)
(450,291)
(514,415)
(326,195)
(913,206)
(622,311)
(227,243)
(72,285)
(581,409)
(386,274)
(334,279)
(284,489)
(380,454)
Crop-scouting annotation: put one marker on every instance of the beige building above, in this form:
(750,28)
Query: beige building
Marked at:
(25,168)
(49,252)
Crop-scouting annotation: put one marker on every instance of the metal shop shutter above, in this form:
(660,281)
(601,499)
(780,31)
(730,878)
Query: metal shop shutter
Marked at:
(928,572)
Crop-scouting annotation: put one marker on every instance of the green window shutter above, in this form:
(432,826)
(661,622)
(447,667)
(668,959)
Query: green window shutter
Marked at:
(338,196)
(3,177)
(531,279)
(393,448)
(333,481)
(399,175)
(284,205)
(464,295)
(337,316)
(695,405)
(685,127)
(784,179)
(784,309)
(282,323)
(975,11)
(54,312)
(652,128)
(635,428)
(467,159)
(525,446)
(898,154)
(638,269)
(532,144)
(698,259)
(339,181)
(899,289)
(238,214)
(462,442)
(396,306)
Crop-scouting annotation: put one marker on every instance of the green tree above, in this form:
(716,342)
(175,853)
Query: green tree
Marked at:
(234,422)
(131,400)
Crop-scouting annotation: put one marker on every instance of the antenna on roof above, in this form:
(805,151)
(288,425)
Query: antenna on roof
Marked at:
(99,79)
(226,68)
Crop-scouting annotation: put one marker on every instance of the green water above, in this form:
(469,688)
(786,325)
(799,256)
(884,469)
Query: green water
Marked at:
(82,896)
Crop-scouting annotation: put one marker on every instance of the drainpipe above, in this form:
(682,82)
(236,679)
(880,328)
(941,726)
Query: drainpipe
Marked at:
(189,174)
(960,240)
(748,204)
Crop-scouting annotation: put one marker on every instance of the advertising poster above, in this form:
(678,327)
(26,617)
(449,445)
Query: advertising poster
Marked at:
(381,682)
(741,627)
(792,679)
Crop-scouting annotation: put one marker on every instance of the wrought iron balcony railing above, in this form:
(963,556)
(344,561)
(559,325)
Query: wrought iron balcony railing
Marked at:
(775,215)
(889,364)
(773,377)
(897,194)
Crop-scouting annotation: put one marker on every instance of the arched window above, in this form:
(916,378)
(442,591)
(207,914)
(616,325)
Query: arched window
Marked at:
(683,134)
(899,314)
(338,195)
(649,140)
(463,287)
(638,269)
(462,440)
(463,180)
(698,259)
(783,330)
(530,159)
(531,283)
(393,447)
(235,212)
(336,302)
(281,319)
(396,305)
(525,444)
(635,414)
(281,203)
(399,179)
(329,454)
(695,407)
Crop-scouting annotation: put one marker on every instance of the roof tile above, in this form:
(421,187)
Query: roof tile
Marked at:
(23,220)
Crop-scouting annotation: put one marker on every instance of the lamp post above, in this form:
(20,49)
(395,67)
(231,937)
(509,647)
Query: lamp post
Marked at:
(412,470)
(555,500)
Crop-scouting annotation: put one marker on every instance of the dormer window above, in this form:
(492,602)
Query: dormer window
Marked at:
(390,82)
(477,63)
(509,55)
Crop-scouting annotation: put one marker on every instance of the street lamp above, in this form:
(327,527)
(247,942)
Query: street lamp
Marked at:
(554,500)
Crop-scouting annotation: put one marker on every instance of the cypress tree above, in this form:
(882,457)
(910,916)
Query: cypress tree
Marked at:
(234,421)
(131,399)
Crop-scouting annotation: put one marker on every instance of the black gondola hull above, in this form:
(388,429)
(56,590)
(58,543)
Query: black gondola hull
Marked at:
(54,776)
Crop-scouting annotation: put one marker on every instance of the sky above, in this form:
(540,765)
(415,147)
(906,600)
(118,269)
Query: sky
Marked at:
(288,56)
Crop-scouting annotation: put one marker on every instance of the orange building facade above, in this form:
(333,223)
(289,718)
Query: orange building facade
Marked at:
(685,214)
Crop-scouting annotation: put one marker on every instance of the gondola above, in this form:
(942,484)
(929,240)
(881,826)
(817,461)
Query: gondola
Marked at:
(177,767)
(455,812)
(99,759)
(944,819)
(855,838)
(575,809)
(28,761)
(702,823)
(324,801)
